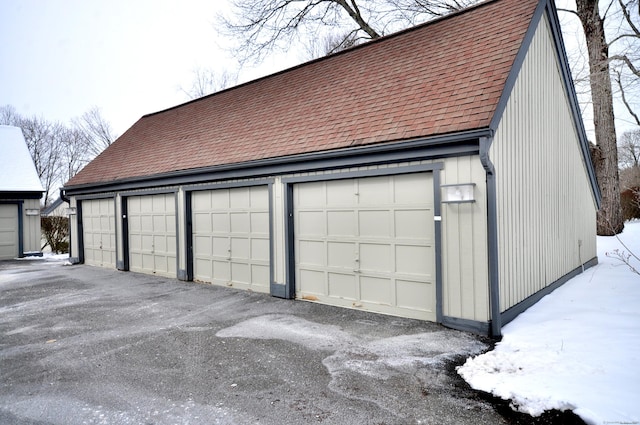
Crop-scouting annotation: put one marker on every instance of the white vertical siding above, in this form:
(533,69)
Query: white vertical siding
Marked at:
(545,205)
(464,244)
(31,226)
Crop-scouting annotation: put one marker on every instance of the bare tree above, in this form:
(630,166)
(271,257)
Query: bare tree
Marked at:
(629,149)
(265,25)
(97,131)
(59,151)
(208,81)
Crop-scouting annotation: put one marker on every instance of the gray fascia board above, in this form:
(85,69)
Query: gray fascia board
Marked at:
(455,144)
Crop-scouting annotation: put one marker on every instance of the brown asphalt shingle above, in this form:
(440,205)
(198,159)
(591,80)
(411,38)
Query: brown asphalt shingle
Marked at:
(441,77)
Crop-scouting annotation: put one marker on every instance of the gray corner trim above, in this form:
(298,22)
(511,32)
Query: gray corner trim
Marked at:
(74,260)
(466,325)
(183,275)
(116,236)
(124,209)
(513,312)
(517,65)
(229,185)
(80,236)
(438,245)
(20,230)
(442,146)
(565,71)
(492,237)
(120,265)
(177,217)
(278,290)
(340,175)
(188,228)
(272,242)
(289,243)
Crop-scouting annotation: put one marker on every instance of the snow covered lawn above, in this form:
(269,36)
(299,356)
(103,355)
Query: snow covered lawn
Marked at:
(578,348)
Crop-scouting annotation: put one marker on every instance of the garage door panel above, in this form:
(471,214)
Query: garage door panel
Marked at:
(152,234)
(312,196)
(239,198)
(374,191)
(376,234)
(314,282)
(98,232)
(260,249)
(413,224)
(340,193)
(221,223)
(9,237)
(240,248)
(415,295)
(258,200)
(410,191)
(259,223)
(376,257)
(341,223)
(237,235)
(376,290)
(342,286)
(341,254)
(240,223)
(311,223)
(375,224)
(312,253)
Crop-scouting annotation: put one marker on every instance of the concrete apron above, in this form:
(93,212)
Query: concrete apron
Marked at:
(90,345)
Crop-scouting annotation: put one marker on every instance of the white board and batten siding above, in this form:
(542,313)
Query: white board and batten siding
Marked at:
(231,237)
(99,232)
(546,209)
(152,234)
(367,243)
(9,238)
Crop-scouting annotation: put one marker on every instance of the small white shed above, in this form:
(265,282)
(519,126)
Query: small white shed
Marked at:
(20,193)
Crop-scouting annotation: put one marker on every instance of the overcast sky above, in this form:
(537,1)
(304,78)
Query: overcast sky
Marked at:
(127,57)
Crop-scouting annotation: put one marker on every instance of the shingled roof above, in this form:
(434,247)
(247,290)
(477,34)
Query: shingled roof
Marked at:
(441,77)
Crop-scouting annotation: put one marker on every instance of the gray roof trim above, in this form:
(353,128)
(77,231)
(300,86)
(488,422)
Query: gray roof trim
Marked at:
(7,194)
(455,144)
(547,7)
(51,207)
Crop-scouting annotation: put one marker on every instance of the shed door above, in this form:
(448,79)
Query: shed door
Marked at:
(9,242)
(152,234)
(98,232)
(231,237)
(367,243)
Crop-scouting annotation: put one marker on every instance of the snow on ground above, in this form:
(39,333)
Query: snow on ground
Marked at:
(578,348)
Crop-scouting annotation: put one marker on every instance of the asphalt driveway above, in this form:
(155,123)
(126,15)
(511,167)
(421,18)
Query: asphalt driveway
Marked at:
(84,345)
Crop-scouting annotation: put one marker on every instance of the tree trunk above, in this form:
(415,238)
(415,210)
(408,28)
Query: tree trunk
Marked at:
(609,218)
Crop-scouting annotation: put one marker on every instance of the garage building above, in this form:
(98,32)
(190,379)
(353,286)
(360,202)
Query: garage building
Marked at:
(440,173)
(20,193)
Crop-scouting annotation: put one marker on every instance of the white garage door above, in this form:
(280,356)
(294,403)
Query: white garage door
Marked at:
(367,243)
(98,232)
(152,234)
(9,247)
(231,237)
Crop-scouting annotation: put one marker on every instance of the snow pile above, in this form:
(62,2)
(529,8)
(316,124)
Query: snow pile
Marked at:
(578,348)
